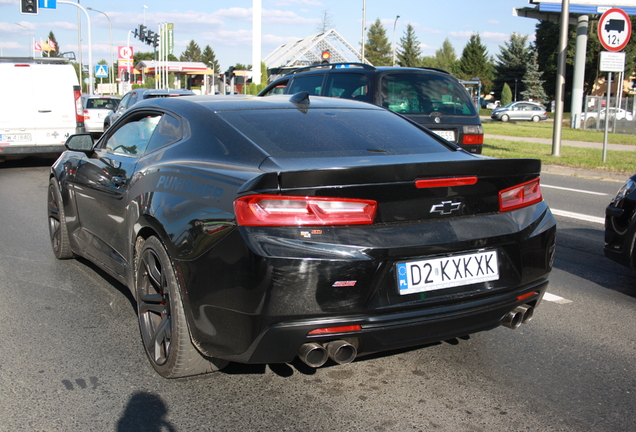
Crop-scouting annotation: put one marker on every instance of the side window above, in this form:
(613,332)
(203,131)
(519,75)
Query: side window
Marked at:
(278,89)
(349,86)
(168,131)
(133,137)
(311,84)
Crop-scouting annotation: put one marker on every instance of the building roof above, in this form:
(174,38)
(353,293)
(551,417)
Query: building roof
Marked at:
(307,51)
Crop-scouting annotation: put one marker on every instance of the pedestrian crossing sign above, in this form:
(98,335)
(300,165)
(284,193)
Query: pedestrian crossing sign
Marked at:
(101,71)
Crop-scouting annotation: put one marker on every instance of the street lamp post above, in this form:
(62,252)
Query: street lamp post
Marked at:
(112,59)
(515,89)
(90,45)
(394,24)
(30,41)
(145,7)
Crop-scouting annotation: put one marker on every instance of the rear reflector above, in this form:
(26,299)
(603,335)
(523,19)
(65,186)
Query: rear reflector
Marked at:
(519,196)
(444,182)
(341,329)
(525,296)
(280,210)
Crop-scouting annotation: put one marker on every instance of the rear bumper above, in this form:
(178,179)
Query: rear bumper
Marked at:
(279,343)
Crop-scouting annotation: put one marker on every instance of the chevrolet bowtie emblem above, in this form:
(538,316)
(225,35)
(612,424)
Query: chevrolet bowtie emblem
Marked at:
(446,207)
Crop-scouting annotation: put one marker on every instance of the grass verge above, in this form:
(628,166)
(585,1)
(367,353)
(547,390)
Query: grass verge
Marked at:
(545,129)
(576,157)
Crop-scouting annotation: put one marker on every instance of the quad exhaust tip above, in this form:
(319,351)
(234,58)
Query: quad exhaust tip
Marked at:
(315,355)
(519,315)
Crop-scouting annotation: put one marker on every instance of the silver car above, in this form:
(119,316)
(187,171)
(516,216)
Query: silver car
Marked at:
(520,111)
(96,109)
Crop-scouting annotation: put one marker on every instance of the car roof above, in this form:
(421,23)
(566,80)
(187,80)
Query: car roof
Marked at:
(357,67)
(250,102)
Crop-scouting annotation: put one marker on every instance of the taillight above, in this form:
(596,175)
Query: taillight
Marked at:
(473,139)
(522,195)
(87,116)
(79,109)
(473,135)
(280,210)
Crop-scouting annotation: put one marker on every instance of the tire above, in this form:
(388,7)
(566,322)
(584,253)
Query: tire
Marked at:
(58,231)
(535,119)
(505,118)
(162,322)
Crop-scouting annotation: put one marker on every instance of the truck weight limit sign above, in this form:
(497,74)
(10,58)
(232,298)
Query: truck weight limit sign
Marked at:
(614,29)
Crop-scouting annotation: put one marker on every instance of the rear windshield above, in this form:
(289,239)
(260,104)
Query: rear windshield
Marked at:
(425,93)
(331,132)
(102,103)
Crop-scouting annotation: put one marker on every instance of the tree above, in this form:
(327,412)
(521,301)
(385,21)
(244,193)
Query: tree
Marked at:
(326,22)
(408,50)
(506,94)
(446,58)
(209,58)
(474,62)
(378,49)
(533,83)
(511,64)
(192,53)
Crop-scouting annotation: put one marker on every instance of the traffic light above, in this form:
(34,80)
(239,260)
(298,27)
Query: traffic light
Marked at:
(29,7)
(142,32)
(229,74)
(325,56)
(155,40)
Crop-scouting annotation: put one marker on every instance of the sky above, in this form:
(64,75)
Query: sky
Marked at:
(226,26)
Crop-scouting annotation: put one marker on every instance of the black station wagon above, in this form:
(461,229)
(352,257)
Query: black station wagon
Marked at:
(431,97)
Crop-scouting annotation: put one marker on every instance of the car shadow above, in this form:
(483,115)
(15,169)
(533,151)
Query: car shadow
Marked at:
(579,252)
(286,370)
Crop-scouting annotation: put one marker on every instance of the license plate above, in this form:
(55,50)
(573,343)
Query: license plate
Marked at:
(448,135)
(15,137)
(439,273)
(101,115)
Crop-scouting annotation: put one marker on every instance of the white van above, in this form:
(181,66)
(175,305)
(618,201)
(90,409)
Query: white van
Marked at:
(41,106)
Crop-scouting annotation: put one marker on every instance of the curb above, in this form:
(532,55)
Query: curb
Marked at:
(585,173)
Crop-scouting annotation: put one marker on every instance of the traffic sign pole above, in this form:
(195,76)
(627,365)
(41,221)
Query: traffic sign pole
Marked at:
(614,32)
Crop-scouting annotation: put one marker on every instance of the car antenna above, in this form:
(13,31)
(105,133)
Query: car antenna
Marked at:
(300,98)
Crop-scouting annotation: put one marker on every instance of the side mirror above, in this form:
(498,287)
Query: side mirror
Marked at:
(80,142)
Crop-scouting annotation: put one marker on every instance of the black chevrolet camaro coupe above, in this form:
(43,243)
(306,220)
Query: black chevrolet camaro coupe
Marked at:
(255,230)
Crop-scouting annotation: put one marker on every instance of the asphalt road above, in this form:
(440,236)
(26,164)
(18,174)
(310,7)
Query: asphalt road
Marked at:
(72,359)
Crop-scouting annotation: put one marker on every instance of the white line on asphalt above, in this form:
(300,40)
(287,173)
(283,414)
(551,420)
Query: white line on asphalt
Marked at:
(578,216)
(555,299)
(571,190)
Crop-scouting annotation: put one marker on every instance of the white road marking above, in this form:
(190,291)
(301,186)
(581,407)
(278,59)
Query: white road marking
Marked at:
(555,299)
(572,190)
(578,216)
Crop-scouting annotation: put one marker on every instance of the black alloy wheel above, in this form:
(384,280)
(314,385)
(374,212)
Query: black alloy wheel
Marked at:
(161,317)
(58,231)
